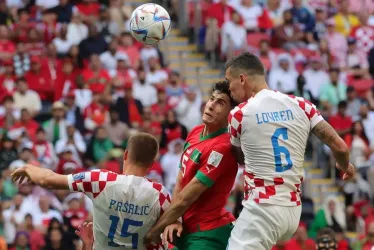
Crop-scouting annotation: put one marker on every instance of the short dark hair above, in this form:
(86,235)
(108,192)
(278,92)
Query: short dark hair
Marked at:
(342,104)
(224,88)
(21,79)
(142,149)
(325,236)
(247,62)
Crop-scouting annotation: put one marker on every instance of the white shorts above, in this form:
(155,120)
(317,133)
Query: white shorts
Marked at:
(261,226)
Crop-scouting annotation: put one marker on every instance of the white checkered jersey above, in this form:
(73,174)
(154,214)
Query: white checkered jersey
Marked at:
(125,207)
(272,129)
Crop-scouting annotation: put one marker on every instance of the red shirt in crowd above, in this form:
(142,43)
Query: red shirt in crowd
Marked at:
(339,122)
(64,84)
(221,12)
(76,217)
(7,46)
(30,126)
(113,166)
(41,83)
(97,81)
(96,112)
(89,9)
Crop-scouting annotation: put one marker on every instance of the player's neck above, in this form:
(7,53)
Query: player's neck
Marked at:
(210,129)
(135,170)
(260,87)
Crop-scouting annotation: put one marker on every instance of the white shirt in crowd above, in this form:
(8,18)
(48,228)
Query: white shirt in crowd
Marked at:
(314,80)
(156,77)
(9,226)
(109,60)
(250,15)
(23,101)
(233,35)
(77,32)
(145,93)
(62,46)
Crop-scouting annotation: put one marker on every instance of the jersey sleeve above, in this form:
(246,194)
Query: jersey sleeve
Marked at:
(235,125)
(310,110)
(91,183)
(164,198)
(219,161)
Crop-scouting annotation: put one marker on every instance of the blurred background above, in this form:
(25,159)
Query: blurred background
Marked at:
(74,85)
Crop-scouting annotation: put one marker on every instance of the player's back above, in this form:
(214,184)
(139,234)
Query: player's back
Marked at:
(125,207)
(273,133)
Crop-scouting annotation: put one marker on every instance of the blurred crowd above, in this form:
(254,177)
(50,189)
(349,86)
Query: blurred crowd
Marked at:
(322,50)
(74,85)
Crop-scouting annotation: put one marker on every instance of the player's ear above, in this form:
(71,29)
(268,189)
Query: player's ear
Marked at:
(125,155)
(242,79)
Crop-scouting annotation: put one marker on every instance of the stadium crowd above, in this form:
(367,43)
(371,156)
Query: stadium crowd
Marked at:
(74,85)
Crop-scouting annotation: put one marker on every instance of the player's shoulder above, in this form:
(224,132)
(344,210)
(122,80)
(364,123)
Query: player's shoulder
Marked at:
(197,130)
(96,175)
(237,113)
(163,193)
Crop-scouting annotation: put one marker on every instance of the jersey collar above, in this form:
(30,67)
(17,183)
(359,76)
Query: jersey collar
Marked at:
(212,135)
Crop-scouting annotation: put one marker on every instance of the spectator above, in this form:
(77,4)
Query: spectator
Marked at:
(99,145)
(288,35)
(121,76)
(188,108)
(357,63)
(22,241)
(254,16)
(126,44)
(118,132)
(9,114)
(326,239)
(40,80)
(74,142)
(56,126)
(56,241)
(318,31)
(171,130)
(105,26)
(220,11)
(366,242)
(73,112)
(330,215)
(341,122)
(302,15)
(160,109)
(315,77)
(68,163)
(175,86)
(364,33)
(34,43)
(43,214)
(25,157)
(266,55)
(25,128)
(144,91)
(300,240)
(302,91)
(44,151)
(283,76)
(64,11)
(7,47)
(95,76)
(21,60)
(62,43)
(170,161)
(333,92)
(233,36)
(367,118)
(130,109)
(337,43)
(96,114)
(155,75)
(110,57)
(77,31)
(13,218)
(276,9)
(36,237)
(24,96)
(8,153)
(8,79)
(93,44)
(353,103)
(345,21)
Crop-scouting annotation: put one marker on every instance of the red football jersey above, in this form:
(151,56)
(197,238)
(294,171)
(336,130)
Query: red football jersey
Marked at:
(210,160)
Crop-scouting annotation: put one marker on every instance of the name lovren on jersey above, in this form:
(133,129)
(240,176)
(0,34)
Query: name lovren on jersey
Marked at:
(129,208)
(276,116)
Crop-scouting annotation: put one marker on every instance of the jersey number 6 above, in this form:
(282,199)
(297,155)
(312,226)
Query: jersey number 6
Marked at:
(278,150)
(124,231)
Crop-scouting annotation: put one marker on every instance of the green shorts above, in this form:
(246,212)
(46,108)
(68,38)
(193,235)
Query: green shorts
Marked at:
(215,239)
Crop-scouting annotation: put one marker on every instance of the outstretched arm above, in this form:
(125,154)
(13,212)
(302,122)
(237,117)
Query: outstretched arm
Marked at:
(40,176)
(339,149)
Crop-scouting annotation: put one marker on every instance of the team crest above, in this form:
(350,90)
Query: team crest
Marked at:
(215,158)
(79,176)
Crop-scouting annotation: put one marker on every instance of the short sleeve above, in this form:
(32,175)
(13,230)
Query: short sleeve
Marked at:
(235,125)
(91,183)
(219,160)
(310,110)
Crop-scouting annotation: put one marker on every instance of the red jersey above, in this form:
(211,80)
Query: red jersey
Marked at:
(96,80)
(210,160)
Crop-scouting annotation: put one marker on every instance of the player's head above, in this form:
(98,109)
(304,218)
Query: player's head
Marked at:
(246,76)
(326,240)
(218,107)
(141,150)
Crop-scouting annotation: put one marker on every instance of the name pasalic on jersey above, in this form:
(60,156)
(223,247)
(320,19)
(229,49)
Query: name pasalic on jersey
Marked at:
(276,116)
(129,208)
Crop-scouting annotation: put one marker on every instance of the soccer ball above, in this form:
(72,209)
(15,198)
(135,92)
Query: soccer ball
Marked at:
(150,23)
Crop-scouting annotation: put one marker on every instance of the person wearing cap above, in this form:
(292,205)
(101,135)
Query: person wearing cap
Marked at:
(39,81)
(73,112)
(24,97)
(56,126)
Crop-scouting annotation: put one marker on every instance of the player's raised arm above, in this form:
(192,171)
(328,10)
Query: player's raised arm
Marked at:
(40,176)
(340,150)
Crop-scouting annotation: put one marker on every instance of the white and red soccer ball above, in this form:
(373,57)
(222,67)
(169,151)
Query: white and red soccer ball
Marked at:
(150,23)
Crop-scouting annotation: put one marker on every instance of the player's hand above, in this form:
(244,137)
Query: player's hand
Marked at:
(85,232)
(168,234)
(349,172)
(23,173)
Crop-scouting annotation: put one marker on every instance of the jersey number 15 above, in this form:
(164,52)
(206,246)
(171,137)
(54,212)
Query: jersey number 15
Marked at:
(279,150)
(124,231)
